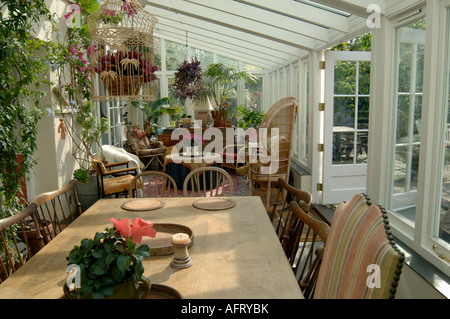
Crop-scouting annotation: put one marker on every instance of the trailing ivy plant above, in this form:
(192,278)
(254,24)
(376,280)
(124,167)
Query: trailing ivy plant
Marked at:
(24,58)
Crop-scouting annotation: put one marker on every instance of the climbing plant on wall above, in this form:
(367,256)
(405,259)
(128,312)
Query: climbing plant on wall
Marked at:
(24,59)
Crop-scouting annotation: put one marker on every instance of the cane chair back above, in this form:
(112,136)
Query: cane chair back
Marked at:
(15,241)
(57,209)
(274,159)
(208,181)
(359,241)
(152,184)
(303,238)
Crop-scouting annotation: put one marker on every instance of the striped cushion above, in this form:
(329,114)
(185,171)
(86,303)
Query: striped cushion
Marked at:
(359,237)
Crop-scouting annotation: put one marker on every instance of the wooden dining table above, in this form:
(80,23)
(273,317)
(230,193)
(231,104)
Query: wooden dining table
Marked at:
(235,252)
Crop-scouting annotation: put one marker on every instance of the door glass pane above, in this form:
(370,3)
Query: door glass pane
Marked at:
(364,77)
(410,40)
(363,113)
(345,77)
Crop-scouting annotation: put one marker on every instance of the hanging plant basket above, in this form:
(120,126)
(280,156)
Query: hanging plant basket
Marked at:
(122,52)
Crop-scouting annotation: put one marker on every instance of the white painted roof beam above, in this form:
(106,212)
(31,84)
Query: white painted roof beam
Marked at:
(219,29)
(235,22)
(222,40)
(304,12)
(210,42)
(267,17)
(213,49)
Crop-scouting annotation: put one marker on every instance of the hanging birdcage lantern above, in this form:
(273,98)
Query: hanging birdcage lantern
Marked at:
(122,53)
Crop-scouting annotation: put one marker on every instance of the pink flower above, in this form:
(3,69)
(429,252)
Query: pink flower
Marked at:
(136,230)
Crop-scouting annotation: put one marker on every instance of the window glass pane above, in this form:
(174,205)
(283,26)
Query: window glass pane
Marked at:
(443,220)
(253,94)
(205,57)
(410,40)
(305,118)
(175,55)
(157,52)
(229,62)
(251,67)
(296,94)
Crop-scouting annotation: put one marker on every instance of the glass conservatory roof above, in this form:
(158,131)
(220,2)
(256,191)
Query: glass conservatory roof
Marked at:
(265,33)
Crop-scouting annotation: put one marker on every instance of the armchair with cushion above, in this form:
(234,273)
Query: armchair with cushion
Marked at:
(139,144)
(112,181)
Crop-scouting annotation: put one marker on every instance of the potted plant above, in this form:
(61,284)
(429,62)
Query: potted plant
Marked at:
(186,118)
(153,110)
(249,117)
(110,264)
(188,81)
(219,81)
(123,72)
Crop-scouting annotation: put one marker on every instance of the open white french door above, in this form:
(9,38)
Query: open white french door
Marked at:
(346,125)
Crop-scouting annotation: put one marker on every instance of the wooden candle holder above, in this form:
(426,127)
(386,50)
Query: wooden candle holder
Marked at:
(181,258)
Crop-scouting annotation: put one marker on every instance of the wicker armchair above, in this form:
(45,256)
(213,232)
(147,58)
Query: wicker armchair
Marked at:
(139,144)
(270,164)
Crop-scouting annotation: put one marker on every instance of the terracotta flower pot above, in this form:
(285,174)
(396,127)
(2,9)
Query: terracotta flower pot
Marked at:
(220,118)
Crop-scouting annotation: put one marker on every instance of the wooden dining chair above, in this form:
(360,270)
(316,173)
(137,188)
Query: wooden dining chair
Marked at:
(111,180)
(208,181)
(152,184)
(303,238)
(361,259)
(56,210)
(286,194)
(16,250)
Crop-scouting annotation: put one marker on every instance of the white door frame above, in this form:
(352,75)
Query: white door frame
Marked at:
(341,181)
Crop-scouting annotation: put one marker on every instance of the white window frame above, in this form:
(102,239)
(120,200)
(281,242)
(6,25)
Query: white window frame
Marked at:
(418,237)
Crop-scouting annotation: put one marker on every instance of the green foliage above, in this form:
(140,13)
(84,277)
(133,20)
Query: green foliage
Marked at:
(249,118)
(74,84)
(106,261)
(220,81)
(154,109)
(81,175)
(363,43)
(24,58)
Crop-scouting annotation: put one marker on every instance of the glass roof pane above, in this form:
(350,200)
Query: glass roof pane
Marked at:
(324,7)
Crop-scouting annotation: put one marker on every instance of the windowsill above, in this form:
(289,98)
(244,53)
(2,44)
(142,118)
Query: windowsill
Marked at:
(299,168)
(435,277)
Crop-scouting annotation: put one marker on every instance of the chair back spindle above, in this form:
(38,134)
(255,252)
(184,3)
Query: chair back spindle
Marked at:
(152,184)
(208,181)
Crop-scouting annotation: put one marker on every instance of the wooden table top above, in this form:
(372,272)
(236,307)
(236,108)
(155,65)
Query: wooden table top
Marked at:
(235,253)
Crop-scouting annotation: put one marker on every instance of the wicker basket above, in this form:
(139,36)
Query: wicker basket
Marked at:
(124,85)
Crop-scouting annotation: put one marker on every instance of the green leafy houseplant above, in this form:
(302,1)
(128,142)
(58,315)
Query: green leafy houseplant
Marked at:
(153,110)
(220,81)
(111,258)
(249,117)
